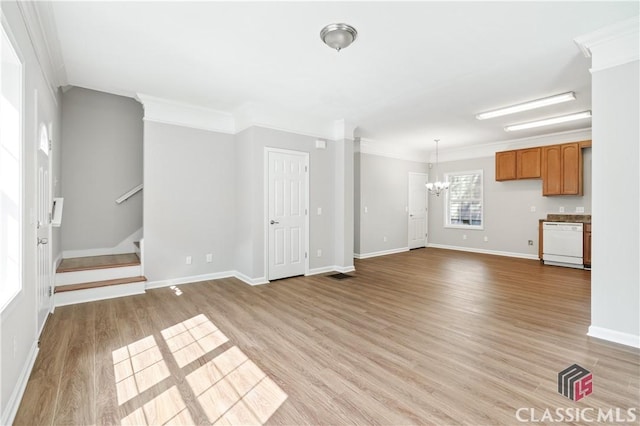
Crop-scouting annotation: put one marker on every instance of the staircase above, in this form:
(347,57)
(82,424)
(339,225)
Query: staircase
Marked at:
(85,279)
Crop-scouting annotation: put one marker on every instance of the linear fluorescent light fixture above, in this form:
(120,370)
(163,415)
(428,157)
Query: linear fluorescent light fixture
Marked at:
(549,121)
(526,106)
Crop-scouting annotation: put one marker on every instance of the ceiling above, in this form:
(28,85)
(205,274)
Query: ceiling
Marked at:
(418,70)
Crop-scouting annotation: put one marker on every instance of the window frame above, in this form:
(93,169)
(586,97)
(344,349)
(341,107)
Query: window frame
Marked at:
(7,299)
(447,210)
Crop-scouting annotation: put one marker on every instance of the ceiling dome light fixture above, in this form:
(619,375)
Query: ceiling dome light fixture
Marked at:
(338,36)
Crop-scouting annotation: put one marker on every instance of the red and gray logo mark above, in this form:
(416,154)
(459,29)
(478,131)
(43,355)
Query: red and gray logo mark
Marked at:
(575,382)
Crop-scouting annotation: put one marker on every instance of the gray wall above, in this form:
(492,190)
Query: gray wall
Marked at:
(508,220)
(382,185)
(101,160)
(189,201)
(615,284)
(250,146)
(18,329)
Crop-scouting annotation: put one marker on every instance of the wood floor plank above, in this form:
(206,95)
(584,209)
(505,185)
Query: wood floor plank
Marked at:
(98,262)
(76,396)
(424,337)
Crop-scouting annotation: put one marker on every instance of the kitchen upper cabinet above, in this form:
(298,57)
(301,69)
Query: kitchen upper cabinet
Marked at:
(518,164)
(506,165)
(562,169)
(528,163)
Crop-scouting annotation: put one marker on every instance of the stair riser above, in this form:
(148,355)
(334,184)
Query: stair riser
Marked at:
(76,277)
(99,293)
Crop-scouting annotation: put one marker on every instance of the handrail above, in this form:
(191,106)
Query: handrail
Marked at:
(124,197)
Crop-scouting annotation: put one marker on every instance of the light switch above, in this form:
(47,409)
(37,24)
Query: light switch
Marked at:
(319,211)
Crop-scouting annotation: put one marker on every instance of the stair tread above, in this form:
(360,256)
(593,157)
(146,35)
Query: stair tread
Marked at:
(98,262)
(96,284)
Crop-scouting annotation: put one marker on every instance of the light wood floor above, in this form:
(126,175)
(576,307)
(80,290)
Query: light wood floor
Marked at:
(424,337)
(98,262)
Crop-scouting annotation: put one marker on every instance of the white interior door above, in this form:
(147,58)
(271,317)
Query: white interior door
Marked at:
(417,210)
(287,213)
(44,205)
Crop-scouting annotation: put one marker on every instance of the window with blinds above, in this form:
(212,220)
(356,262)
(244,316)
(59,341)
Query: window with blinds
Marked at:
(464,204)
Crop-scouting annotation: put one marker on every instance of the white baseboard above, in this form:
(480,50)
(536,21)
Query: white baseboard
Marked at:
(189,279)
(483,251)
(123,247)
(57,262)
(249,280)
(614,336)
(9,414)
(344,269)
(100,293)
(333,268)
(323,270)
(380,253)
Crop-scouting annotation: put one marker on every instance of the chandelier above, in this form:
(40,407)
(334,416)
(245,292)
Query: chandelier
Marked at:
(437,187)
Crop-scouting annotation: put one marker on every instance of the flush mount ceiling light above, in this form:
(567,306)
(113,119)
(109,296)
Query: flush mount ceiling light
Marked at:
(549,121)
(338,36)
(526,106)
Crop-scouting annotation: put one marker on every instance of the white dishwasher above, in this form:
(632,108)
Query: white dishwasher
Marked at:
(562,244)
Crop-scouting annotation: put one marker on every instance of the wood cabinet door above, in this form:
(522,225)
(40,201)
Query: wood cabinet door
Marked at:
(528,162)
(506,165)
(586,246)
(571,169)
(551,170)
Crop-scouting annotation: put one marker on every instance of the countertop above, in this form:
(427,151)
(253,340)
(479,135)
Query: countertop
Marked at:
(575,218)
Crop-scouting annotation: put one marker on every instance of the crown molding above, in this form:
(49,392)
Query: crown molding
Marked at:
(489,149)
(39,21)
(182,114)
(251,114)
(388,150)
(613,45)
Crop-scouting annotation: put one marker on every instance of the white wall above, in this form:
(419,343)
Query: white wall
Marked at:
(250,146)
(508,220)
(382,186)
(189,201)
(615,283)
(101,160)
(18,334)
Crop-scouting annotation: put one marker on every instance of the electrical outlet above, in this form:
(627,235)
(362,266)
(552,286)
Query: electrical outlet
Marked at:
(530,242)
(319,253)
(319,211)
(464,236)
(209,257)
(561,209)
(486,238)
(384,239)
(579,209)
(366,209)
(533,209)
(188,260)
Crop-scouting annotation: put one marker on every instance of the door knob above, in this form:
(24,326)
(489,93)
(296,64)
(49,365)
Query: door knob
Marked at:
(43,241)
(273,222)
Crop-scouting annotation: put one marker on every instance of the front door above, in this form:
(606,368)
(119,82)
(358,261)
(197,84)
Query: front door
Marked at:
(417,210)
(287,213)
(44,204)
